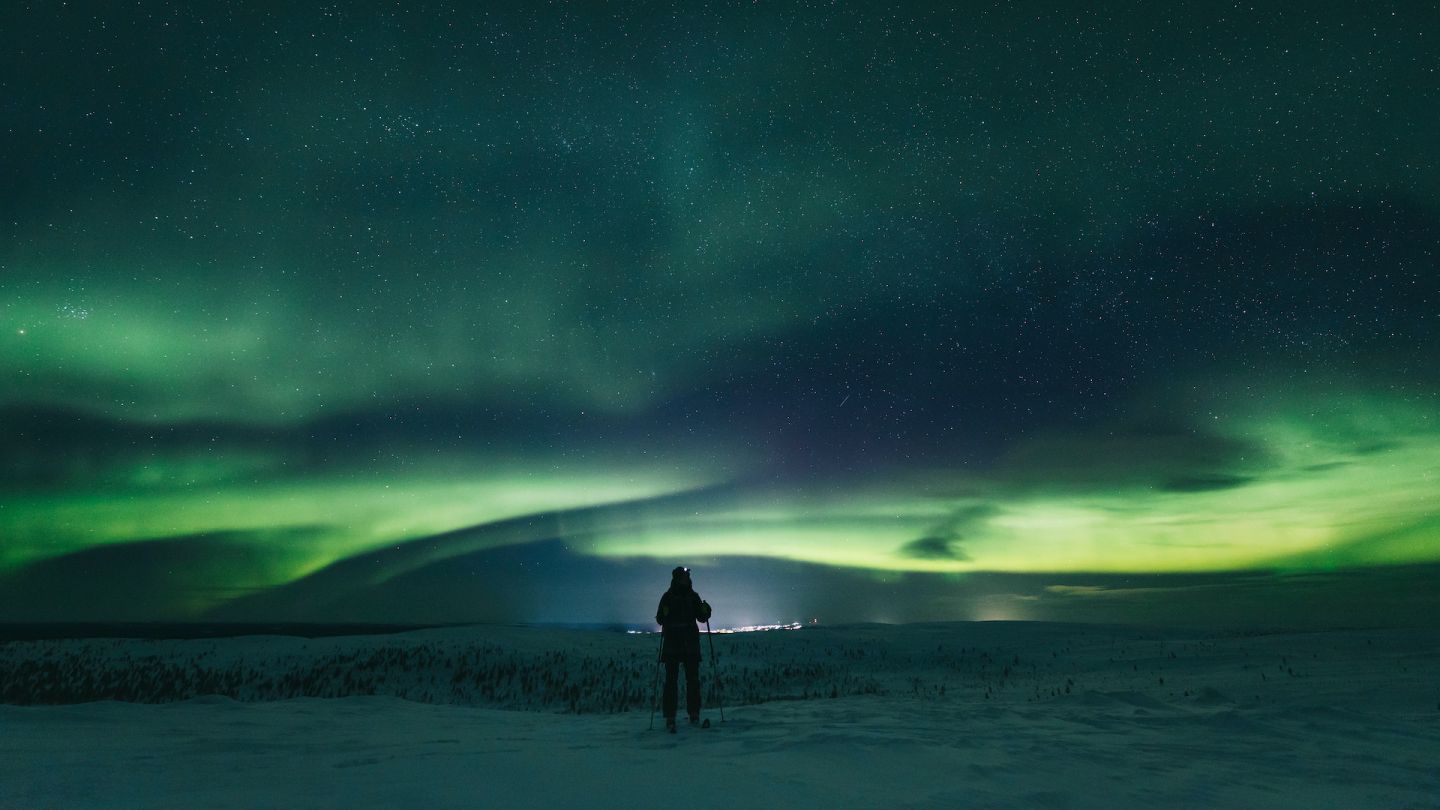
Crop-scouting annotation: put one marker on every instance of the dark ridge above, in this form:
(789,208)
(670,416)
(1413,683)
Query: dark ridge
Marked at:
(44,631)
(604,627)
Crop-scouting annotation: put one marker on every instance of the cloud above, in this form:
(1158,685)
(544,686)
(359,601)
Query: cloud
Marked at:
(1077,590)
(1125,455)
(934,548)
(553,580)
(165,579)
(337,583)
(1206,483)
(944,539)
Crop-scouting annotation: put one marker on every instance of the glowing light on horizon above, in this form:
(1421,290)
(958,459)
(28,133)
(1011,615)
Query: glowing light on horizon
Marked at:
(752,628)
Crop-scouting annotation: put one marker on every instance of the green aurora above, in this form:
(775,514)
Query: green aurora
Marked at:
(299,305)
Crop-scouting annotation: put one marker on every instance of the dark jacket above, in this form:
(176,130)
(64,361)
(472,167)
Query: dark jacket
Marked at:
(680,608)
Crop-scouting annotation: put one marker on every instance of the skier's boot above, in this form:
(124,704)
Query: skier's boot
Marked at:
(670,724)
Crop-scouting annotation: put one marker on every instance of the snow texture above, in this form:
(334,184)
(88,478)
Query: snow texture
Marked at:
(948,715)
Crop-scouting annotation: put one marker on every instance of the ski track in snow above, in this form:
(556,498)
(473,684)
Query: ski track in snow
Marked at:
(972,715)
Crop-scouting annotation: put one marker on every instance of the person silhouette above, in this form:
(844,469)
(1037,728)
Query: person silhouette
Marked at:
(679,611)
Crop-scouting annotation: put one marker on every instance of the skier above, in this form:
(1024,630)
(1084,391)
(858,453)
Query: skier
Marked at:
(680,608)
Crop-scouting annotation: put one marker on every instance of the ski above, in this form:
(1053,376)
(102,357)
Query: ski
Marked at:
(674,727)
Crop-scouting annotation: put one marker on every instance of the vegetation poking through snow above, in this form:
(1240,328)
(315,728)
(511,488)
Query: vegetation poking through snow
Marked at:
(588,672)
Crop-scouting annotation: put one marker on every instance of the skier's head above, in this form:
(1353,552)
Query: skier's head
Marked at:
(680,577)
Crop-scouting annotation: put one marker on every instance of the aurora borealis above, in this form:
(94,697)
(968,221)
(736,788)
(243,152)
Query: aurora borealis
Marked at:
(425,312)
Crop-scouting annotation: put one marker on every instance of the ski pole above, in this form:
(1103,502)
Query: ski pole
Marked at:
(655,693)
(715,672)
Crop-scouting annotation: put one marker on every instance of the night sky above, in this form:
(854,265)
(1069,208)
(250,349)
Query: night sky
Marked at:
(422,312)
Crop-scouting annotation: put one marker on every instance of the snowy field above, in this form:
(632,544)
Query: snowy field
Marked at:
(948,715)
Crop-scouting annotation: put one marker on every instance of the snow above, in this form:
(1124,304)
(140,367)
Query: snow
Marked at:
(972,715)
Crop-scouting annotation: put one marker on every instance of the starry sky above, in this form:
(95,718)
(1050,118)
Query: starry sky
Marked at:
(425,312)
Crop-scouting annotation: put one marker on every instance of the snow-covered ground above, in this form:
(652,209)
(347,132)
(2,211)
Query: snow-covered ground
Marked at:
(953,715)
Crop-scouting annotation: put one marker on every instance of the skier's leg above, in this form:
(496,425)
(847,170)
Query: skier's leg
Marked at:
(692,687)
(672,677)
